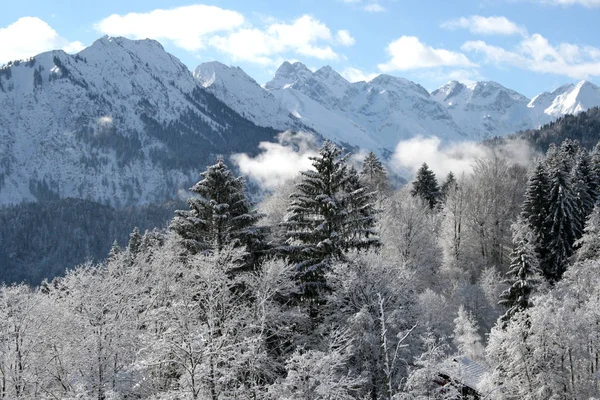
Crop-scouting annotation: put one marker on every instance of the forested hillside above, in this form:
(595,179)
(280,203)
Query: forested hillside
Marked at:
(41,240)
(583,127)
(336,287)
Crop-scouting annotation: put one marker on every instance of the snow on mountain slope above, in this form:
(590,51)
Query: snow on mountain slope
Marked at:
(545,99)
(577,98)
(288,75)
(238,90)
(121,122)
(484,109)
(385,110)
(395,109)
(330,124)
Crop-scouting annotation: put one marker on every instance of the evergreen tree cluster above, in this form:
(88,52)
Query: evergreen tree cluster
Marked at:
(427,188)
(583,127)
(560,196)
(40,240)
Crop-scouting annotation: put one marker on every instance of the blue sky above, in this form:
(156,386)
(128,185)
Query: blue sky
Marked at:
(526,45)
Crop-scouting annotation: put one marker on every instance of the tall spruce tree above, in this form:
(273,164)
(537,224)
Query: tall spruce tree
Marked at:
(524,273)
(220,215)
(426,186)
(329,214)
(535,209)
(563,223)
(373,174)
(584,186)
(357,200)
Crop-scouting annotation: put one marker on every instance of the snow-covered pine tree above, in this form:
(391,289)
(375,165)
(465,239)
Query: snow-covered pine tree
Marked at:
(329,214)
(373,174)
(595,167)
(523,276)
(115,250)
(220,215)
(568,151)
(535,204)
(584,186)
(359,224)
(426,186)
(466,335)
(588,247)
(135,240)
(563,225)
(535,208)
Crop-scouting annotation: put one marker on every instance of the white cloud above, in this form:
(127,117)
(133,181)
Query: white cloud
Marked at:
(195,27)
(73,47)
(305,36)
(434,78)
(374,8)
(29,36)
(585,3)
(187,27)
(408,53)
(356,75)
(485,25)
(344,38)
(280,161)
(465,76)
(536,53)
(458,158)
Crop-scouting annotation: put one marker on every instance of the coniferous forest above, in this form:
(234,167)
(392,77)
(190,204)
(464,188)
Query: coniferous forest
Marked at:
(335,286)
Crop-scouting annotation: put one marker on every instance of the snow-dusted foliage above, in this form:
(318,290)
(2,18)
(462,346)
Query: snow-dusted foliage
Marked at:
(551,350)
(407,302)
(588,247)
(466,336)
(409,230)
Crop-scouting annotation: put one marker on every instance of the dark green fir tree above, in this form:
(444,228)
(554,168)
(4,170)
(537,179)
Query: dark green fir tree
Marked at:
(330,213)
(426,186)
(220,215)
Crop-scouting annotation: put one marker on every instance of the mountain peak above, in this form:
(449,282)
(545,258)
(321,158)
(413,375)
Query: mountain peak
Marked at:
(209,72)
(448,91)
(569,99)
(586,85)
(386,81)
(288,74)
(129,44)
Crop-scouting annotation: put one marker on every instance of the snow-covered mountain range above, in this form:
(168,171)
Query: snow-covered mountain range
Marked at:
(381,112)
(124,122)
